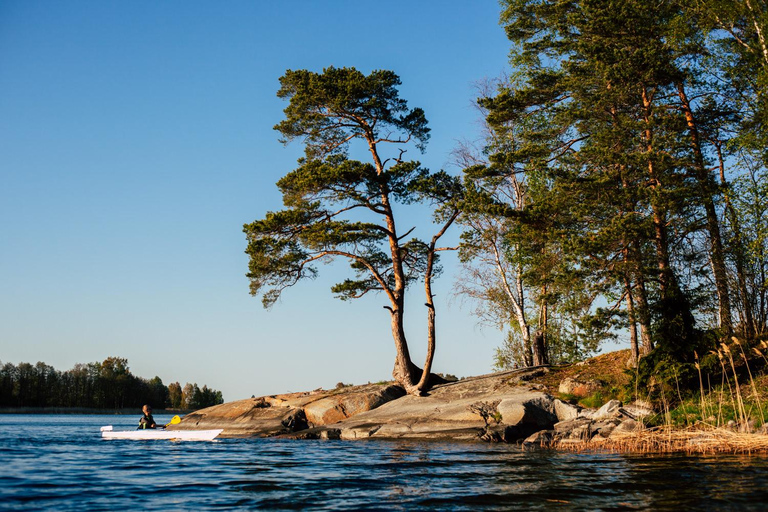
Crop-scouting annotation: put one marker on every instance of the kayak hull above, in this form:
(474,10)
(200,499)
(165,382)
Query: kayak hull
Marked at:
(148,434)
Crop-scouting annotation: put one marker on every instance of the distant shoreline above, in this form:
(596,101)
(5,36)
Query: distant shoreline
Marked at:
(131,411)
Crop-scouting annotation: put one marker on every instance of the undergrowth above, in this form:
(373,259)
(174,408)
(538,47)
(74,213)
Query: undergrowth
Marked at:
(730,393)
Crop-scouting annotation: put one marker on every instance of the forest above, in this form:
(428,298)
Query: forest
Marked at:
(629,147)
(619,190)
(106,385)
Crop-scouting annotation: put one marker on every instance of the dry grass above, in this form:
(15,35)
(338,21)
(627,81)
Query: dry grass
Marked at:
(607,368)
(670,440)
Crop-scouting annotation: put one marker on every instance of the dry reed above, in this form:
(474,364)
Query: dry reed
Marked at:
(698,440)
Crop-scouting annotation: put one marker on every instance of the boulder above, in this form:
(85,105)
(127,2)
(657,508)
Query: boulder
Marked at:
(341,406)
(569,425)
(537,410)
(627,426)
(637,410)
(577,429)
(610,410)
(540,439)
(570,386)
(604,428)
(331,433)
(523,417)
(565,411)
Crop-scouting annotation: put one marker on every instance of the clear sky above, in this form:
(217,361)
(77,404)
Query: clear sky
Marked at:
(136,140)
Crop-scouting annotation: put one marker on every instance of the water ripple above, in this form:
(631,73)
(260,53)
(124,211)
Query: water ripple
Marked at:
(61,463)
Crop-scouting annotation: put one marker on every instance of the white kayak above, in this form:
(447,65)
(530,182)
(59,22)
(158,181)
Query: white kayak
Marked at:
(151,433)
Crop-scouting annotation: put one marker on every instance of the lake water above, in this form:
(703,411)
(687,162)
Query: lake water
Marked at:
(59,462)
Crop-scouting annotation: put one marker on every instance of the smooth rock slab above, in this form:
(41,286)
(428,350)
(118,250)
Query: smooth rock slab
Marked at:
(287,413)
(245,418)
(487,407)
(341,406)
(453,411)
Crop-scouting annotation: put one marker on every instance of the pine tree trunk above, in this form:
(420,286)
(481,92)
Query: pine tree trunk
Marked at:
(431,337)
(644,317)
(639,314)
(540,352)
(659,214)
(426,377)
(747,318)
(635,355)
(404,372)
(540,357)
(677,322)
(713,224)
(424,382)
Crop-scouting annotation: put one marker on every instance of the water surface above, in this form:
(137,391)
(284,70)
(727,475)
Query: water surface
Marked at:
(59,462)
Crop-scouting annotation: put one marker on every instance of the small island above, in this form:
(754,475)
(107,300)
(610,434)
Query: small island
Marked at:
(616,194)
(583,407)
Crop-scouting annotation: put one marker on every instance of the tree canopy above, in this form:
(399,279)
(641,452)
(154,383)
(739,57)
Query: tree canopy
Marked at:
(616,141)
(337,207)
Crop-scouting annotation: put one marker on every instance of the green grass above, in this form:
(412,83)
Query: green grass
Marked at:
(595,400)
(717,409)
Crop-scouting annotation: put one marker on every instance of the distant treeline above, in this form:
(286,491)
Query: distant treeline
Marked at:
(106,385)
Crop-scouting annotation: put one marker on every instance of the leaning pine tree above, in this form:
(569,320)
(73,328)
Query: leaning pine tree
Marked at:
(337,207)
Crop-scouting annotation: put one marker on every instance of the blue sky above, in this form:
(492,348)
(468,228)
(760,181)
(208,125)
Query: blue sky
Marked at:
(136,140)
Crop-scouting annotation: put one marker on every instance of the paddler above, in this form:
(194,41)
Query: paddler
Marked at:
(147,421)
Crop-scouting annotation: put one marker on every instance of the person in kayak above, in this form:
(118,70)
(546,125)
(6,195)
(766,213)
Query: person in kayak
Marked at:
(147,421)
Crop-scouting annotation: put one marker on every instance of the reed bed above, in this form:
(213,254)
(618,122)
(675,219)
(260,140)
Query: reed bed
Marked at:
(670,440)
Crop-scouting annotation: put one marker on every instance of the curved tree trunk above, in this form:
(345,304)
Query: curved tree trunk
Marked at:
(427,379)
(424,382)
(404,372)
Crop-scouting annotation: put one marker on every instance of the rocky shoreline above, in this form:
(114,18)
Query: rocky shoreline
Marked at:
(504,407)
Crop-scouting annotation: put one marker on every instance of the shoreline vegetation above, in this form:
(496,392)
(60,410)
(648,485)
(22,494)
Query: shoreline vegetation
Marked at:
(729,418)
(129,411)
(98,386)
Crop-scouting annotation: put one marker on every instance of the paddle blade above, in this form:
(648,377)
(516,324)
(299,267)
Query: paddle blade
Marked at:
(174,421)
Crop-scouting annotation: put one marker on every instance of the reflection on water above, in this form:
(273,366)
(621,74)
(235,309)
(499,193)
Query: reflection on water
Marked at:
(60,462)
